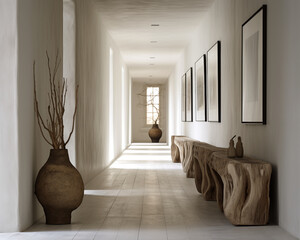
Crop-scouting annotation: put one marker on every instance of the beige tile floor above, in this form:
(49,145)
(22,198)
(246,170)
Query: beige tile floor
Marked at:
(143,195)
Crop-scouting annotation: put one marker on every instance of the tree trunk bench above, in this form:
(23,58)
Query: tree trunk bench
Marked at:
(174,150)
(185,149)
(204,181)
(242,188)
(239,185)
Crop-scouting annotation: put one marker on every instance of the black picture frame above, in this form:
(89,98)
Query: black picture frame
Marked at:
(189,95)
(200,89)
(183,99)
(214,83)
(253,74)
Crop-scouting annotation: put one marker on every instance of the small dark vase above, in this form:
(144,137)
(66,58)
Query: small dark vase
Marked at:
(59,187)
(155,133)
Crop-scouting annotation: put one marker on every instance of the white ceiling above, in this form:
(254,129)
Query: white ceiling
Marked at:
(129,24)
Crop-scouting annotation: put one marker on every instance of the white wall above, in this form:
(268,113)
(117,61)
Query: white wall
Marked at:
(278,141)
(138,115)
(39,29)
(174,99)
(69,71)
(27,30)
(8,117)
(93,44)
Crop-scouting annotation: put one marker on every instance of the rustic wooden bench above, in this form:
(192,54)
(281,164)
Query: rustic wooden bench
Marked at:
(204,181)
(242,188)
(239,185)
(174,150)
(185,150)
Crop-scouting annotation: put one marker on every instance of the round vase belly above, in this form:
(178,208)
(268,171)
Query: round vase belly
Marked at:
(59,187)
(155,133)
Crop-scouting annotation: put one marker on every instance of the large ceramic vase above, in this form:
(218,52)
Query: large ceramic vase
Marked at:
(155,133)
(59,187)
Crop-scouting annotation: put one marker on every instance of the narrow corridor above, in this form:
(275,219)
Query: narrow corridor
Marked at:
(143,195)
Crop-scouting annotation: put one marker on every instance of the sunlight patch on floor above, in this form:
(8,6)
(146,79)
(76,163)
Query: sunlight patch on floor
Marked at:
(144,151)
(146,156)
(110,193)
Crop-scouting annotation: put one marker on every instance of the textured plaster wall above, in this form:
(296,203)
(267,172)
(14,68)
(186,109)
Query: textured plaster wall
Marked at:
(278,141)
(69,70)
(93,45)
(139,127)
(174,99)
(39,29)
(27,30)
(8,117)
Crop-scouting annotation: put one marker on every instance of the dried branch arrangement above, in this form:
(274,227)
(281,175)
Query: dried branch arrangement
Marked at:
(54,125)
(150,102)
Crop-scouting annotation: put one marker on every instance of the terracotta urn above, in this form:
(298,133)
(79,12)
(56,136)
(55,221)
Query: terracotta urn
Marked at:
(59,187)
(155,133)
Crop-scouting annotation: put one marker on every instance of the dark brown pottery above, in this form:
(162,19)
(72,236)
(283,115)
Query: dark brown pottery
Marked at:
(59,187)
(155,133)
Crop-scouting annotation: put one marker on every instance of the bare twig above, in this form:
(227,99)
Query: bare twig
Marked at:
(37,107)
(56,108)
(150,102)
(73,116)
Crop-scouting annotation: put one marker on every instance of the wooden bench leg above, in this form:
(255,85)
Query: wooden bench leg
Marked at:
(174,151)
(246,198)
(198,175)
(219,188)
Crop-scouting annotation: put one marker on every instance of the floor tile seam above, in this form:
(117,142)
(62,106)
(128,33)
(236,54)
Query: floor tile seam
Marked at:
(118,232)
(126,202)
(143,196)
(14,235)
(144,204)
(177,200)
(94,232)
(123,183)
(106,215)
(78,231)
(163,206)
(116,179)
(178,206)
(101,175)
(115,175)
(141,213)
(132,185)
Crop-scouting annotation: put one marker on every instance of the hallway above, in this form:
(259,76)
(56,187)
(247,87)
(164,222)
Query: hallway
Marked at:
(190,56)
(143,195)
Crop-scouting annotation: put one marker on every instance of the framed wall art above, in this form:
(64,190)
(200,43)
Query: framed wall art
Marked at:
(189,95)
(254,68)
(214,83)
(183,102)
(200,89)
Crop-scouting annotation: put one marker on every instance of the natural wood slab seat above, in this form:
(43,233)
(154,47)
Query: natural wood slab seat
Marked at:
(204,180)
(245,183)
(174,150)
(185,146)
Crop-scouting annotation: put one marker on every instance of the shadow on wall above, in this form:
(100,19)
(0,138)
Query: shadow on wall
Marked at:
(274,196)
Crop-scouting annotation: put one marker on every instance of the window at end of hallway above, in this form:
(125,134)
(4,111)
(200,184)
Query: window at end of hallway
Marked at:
(152,102)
